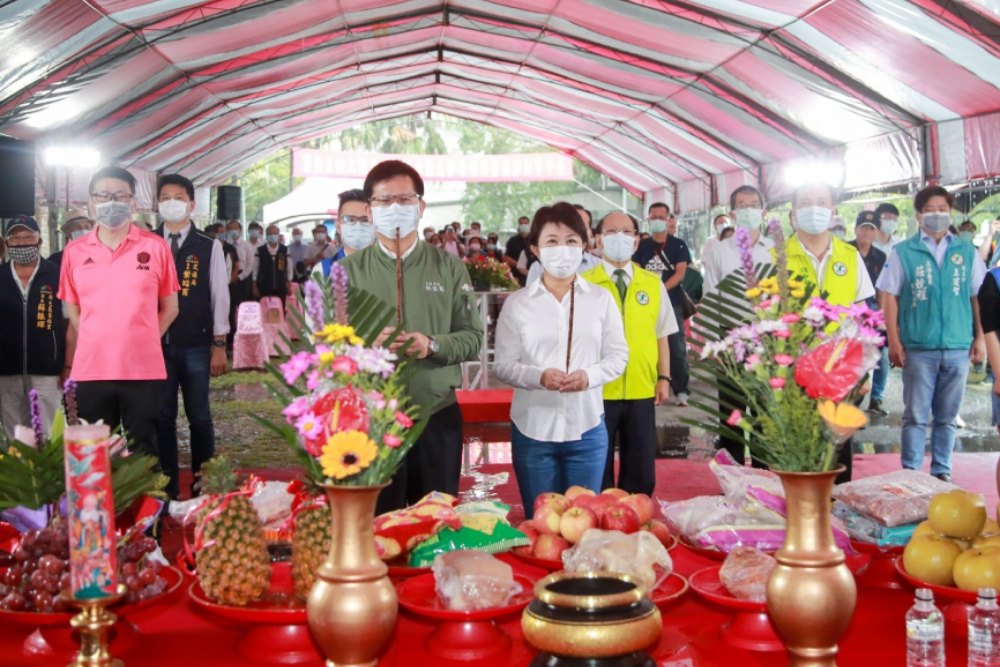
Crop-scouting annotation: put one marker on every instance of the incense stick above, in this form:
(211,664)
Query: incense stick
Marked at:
(572,308)
(399,283)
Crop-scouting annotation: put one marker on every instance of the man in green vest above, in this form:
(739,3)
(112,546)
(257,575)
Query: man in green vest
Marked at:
(929,287)
(832,265)
(629,401)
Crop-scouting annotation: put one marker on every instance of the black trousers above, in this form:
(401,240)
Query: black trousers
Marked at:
(434,463)
(634,422)
(135,404)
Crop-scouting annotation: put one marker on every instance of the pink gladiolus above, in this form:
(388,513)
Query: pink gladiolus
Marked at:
(782,333)
(391,440)
(790,318)
(403,420)
(784,359)
(777,383)
(752,360)
(344,365)
(735,417)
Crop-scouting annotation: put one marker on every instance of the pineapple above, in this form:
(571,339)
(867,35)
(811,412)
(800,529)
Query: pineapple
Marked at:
(233,564)
(310,544)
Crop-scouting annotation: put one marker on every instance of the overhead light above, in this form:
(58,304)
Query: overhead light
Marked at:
(54,114)
(814,171)
(72,156)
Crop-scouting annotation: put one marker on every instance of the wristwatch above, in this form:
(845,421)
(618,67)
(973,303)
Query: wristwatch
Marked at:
(219,343)
(663,377)
(432,346)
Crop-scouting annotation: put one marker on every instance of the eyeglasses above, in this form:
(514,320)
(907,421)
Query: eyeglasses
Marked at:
(103,197)
(354,219)
(387,200)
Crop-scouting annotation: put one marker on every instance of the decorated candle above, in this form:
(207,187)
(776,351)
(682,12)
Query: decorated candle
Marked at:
(90,511)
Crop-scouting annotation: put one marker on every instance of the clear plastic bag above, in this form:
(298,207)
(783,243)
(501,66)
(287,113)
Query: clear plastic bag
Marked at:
(471,579)
(893,499)
(864,528)
(745,573)
(639,555)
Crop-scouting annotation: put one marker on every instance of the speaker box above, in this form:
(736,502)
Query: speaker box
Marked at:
(228,199)
(17,187)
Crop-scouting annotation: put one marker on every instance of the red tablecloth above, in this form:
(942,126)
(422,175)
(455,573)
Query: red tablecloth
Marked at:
(179,634)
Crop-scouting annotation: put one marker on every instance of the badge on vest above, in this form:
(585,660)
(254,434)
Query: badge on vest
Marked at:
(957,260)
(840,269)
(642,298)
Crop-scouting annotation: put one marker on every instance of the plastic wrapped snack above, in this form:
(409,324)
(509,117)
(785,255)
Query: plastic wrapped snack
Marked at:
(639,555)
(745,573)
(866,529)
(893,499)
(396,533)
(484,527)
(471,579)
(710,522)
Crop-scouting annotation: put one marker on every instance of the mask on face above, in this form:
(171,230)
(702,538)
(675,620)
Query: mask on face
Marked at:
(813,219)
(966,236)
(319,238)
(890,225)
(233,235)
(561,261)
(749,218)
(297,239)
(112,214)
(657,226)
(490,247)
(357,235)
(839,233)
(618,246)
(934,223)
(22,254)
(254,234)
(428,235)
(173,210)
(272,239)
(475,248)
(396,216)
(523,229)
(78,234)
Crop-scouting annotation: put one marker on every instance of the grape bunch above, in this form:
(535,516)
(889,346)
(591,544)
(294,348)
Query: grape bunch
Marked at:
(40,572)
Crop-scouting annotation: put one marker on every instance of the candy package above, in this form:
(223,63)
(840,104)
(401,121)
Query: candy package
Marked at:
(864,528)
(639,555)
(398,532)
(745,573)
(472,579)
(894,498)
(484,527)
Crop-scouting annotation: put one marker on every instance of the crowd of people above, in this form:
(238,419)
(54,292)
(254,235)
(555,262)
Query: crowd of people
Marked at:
(591,344)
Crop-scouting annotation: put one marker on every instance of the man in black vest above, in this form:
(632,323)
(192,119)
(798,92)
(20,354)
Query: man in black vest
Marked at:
(271,269)
(194,346)
(32,328)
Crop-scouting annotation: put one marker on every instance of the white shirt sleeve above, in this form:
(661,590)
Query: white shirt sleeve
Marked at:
(666,321)
(614,349)
(507,354)
(890,280)
(864,288)
(255,263)
(534,273)
(246,253)
(218,283)
(522,261)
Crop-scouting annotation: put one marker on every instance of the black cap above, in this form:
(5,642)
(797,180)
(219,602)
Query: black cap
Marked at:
(867,218)
(25,221)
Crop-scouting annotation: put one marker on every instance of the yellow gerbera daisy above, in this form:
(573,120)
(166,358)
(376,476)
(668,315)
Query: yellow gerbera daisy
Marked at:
(843,419)
(347,453)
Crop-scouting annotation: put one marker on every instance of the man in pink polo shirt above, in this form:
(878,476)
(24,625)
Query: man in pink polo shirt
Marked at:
(120,288)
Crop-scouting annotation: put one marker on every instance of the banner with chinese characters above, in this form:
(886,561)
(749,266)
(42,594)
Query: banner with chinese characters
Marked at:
(471,168)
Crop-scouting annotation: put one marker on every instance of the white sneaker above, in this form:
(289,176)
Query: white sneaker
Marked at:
(682,400)
(959,422)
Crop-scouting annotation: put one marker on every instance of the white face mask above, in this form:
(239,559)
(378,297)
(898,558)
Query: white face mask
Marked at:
(561,261)
(319,238)
(934,223)
(889,226)
(77,234)
(619,246)
(839,233)
(173,210)
(388,219)
(523,229)
(112,214)
(749,218)
(297,238)
(657,226)
(813,219)
(357,235)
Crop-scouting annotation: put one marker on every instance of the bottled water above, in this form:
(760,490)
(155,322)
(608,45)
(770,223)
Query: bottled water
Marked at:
(924,632)
(984,631)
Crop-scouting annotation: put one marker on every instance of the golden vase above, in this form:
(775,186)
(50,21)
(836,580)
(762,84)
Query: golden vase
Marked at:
(352,606)
(811,594)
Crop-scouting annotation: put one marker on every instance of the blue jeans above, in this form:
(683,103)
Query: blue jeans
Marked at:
(881,376)
(933,387)
(542,466)
(677,342)
(188,367)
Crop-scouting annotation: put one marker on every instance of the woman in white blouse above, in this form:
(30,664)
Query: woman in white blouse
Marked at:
(558,341)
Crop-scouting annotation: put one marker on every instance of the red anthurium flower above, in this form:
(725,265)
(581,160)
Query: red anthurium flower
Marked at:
(345,410)
(831,370)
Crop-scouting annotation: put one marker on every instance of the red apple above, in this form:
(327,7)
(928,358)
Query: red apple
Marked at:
(549,547)
(574,491)
(547,518)
(616,492)
(660,530)
(620,517)
(528,528)
(551,497)
(575,522)
(642,504)
(584,501)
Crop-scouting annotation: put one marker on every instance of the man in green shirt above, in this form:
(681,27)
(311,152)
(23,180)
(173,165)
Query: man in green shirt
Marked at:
(439,321)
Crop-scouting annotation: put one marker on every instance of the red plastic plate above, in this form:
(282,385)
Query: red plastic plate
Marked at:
(670,589)
(418,595)
(280,604)
(946,592)
(876,550)
(707,584)
(171,575)
(398,569)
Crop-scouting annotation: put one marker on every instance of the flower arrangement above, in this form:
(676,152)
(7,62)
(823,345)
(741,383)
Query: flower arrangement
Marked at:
(798,364)
(346,416)
(487,272)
